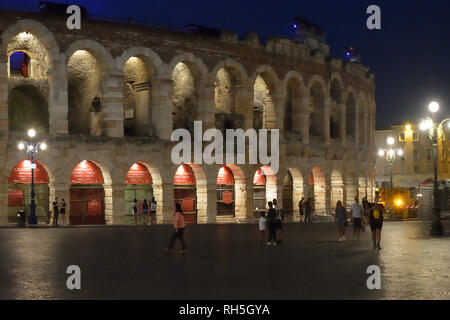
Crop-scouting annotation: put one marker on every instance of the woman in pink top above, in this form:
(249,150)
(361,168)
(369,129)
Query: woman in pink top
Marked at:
(179,227)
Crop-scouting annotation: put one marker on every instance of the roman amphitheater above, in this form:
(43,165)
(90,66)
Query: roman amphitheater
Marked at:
(107,98)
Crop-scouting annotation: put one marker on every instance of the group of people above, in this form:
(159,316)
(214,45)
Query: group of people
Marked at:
(274,222)
(59,208)
(145,211)
(306,209)
(361,214)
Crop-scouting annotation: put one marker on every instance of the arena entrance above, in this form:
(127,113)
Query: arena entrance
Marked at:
(87,195)
(185,192)
(225,192)
(139,186)
(19,191)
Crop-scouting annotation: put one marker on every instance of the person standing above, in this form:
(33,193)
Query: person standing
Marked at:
(376,218)
(341,220)
(145,212)
(272,224)
(301,208)
(262,227)
(279,221)
(55,212)
(308,210)
(153,206)
(179,227)
(357,212)
(134,211)
(63,211)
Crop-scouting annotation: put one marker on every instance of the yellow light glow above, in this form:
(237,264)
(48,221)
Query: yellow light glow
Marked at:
(408,127)
(399,202)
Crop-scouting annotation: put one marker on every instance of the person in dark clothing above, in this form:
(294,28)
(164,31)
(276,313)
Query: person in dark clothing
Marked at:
(376,218)
(145,212)
(55,212)
(272,224)
(301,207)
(308,210)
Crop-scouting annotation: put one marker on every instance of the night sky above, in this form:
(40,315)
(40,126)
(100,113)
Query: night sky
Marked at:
(410,56)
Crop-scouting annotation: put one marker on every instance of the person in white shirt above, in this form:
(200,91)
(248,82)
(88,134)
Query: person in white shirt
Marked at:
(153,205)
(357,211)
(262,227)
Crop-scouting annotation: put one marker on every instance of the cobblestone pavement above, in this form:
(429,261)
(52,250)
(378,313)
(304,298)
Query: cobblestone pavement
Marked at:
(224,262)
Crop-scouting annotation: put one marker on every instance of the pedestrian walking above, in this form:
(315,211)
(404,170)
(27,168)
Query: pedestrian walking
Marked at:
(262,227)
(62,211)
(341,220)
(134,211)
(366,205)
(308,210)
(153,206)
(55,212)
(279,221)
(272,225)
(357,212)
(301,209)
(145,212)
(376,218)
(179,227)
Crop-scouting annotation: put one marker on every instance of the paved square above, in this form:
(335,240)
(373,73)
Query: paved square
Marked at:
(224,262)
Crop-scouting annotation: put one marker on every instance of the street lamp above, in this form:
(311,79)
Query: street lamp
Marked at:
(390,154)
(433,128)
(32,150)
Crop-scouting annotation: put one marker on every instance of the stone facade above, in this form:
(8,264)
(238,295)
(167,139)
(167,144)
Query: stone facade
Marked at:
(324,108)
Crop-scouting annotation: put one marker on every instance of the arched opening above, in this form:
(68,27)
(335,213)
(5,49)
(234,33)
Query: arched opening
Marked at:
(139,186)
(337,188)
(225,101)
(317,190)
(259,191)
(288,197)
(136,98)
(27,108)
(290,107)
(28,57)
(263,111)
(317,113)
(185,192)
(351,116)
(336,109)
(225,192)
(19,191)
(19,65)
(87,195)
(85,93)
(184,97)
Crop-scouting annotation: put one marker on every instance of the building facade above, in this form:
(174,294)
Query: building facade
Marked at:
(107,98)
(416,164)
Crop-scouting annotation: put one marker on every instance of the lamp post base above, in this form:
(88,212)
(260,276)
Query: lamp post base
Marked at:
(32,219)
(437,229)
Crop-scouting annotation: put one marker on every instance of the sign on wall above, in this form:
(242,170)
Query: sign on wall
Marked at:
(86,173)
(227,197)
(22,173)
(138,174)
(187,205)
(15,198)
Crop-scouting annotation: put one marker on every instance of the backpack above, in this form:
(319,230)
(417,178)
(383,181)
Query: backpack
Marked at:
(376,214)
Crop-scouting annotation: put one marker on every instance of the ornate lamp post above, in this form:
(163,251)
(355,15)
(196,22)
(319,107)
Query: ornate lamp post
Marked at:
(435,131)
(32,150)
(390,154)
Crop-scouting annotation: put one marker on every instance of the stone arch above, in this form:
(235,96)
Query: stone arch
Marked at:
(362,118)
(189,75)
(317,190)
(336,110)
(293,105)
(318,97)
(147,54)
(104,57)
(266,87)
(234,67)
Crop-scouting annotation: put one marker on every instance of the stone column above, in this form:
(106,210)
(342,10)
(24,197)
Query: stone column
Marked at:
(58,98)
(244,104)
(243,200)
(115,204)
(326,116)
(343,120)
(206,106)
(279,101)
(166,204)
(207,203)
(113,105)
(350,190)
(162,109)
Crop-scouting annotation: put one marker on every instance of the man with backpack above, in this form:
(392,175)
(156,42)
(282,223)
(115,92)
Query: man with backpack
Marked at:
(376,217)
(272,224)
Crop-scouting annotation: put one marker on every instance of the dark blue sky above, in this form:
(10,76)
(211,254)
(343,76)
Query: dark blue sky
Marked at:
(410,56)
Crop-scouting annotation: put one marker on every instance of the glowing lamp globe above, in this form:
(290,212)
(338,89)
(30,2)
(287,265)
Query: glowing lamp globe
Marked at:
(434,107)
(32,133)
(390,141)
(381,153)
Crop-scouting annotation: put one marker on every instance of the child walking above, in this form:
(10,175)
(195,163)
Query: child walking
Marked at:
(262,227)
